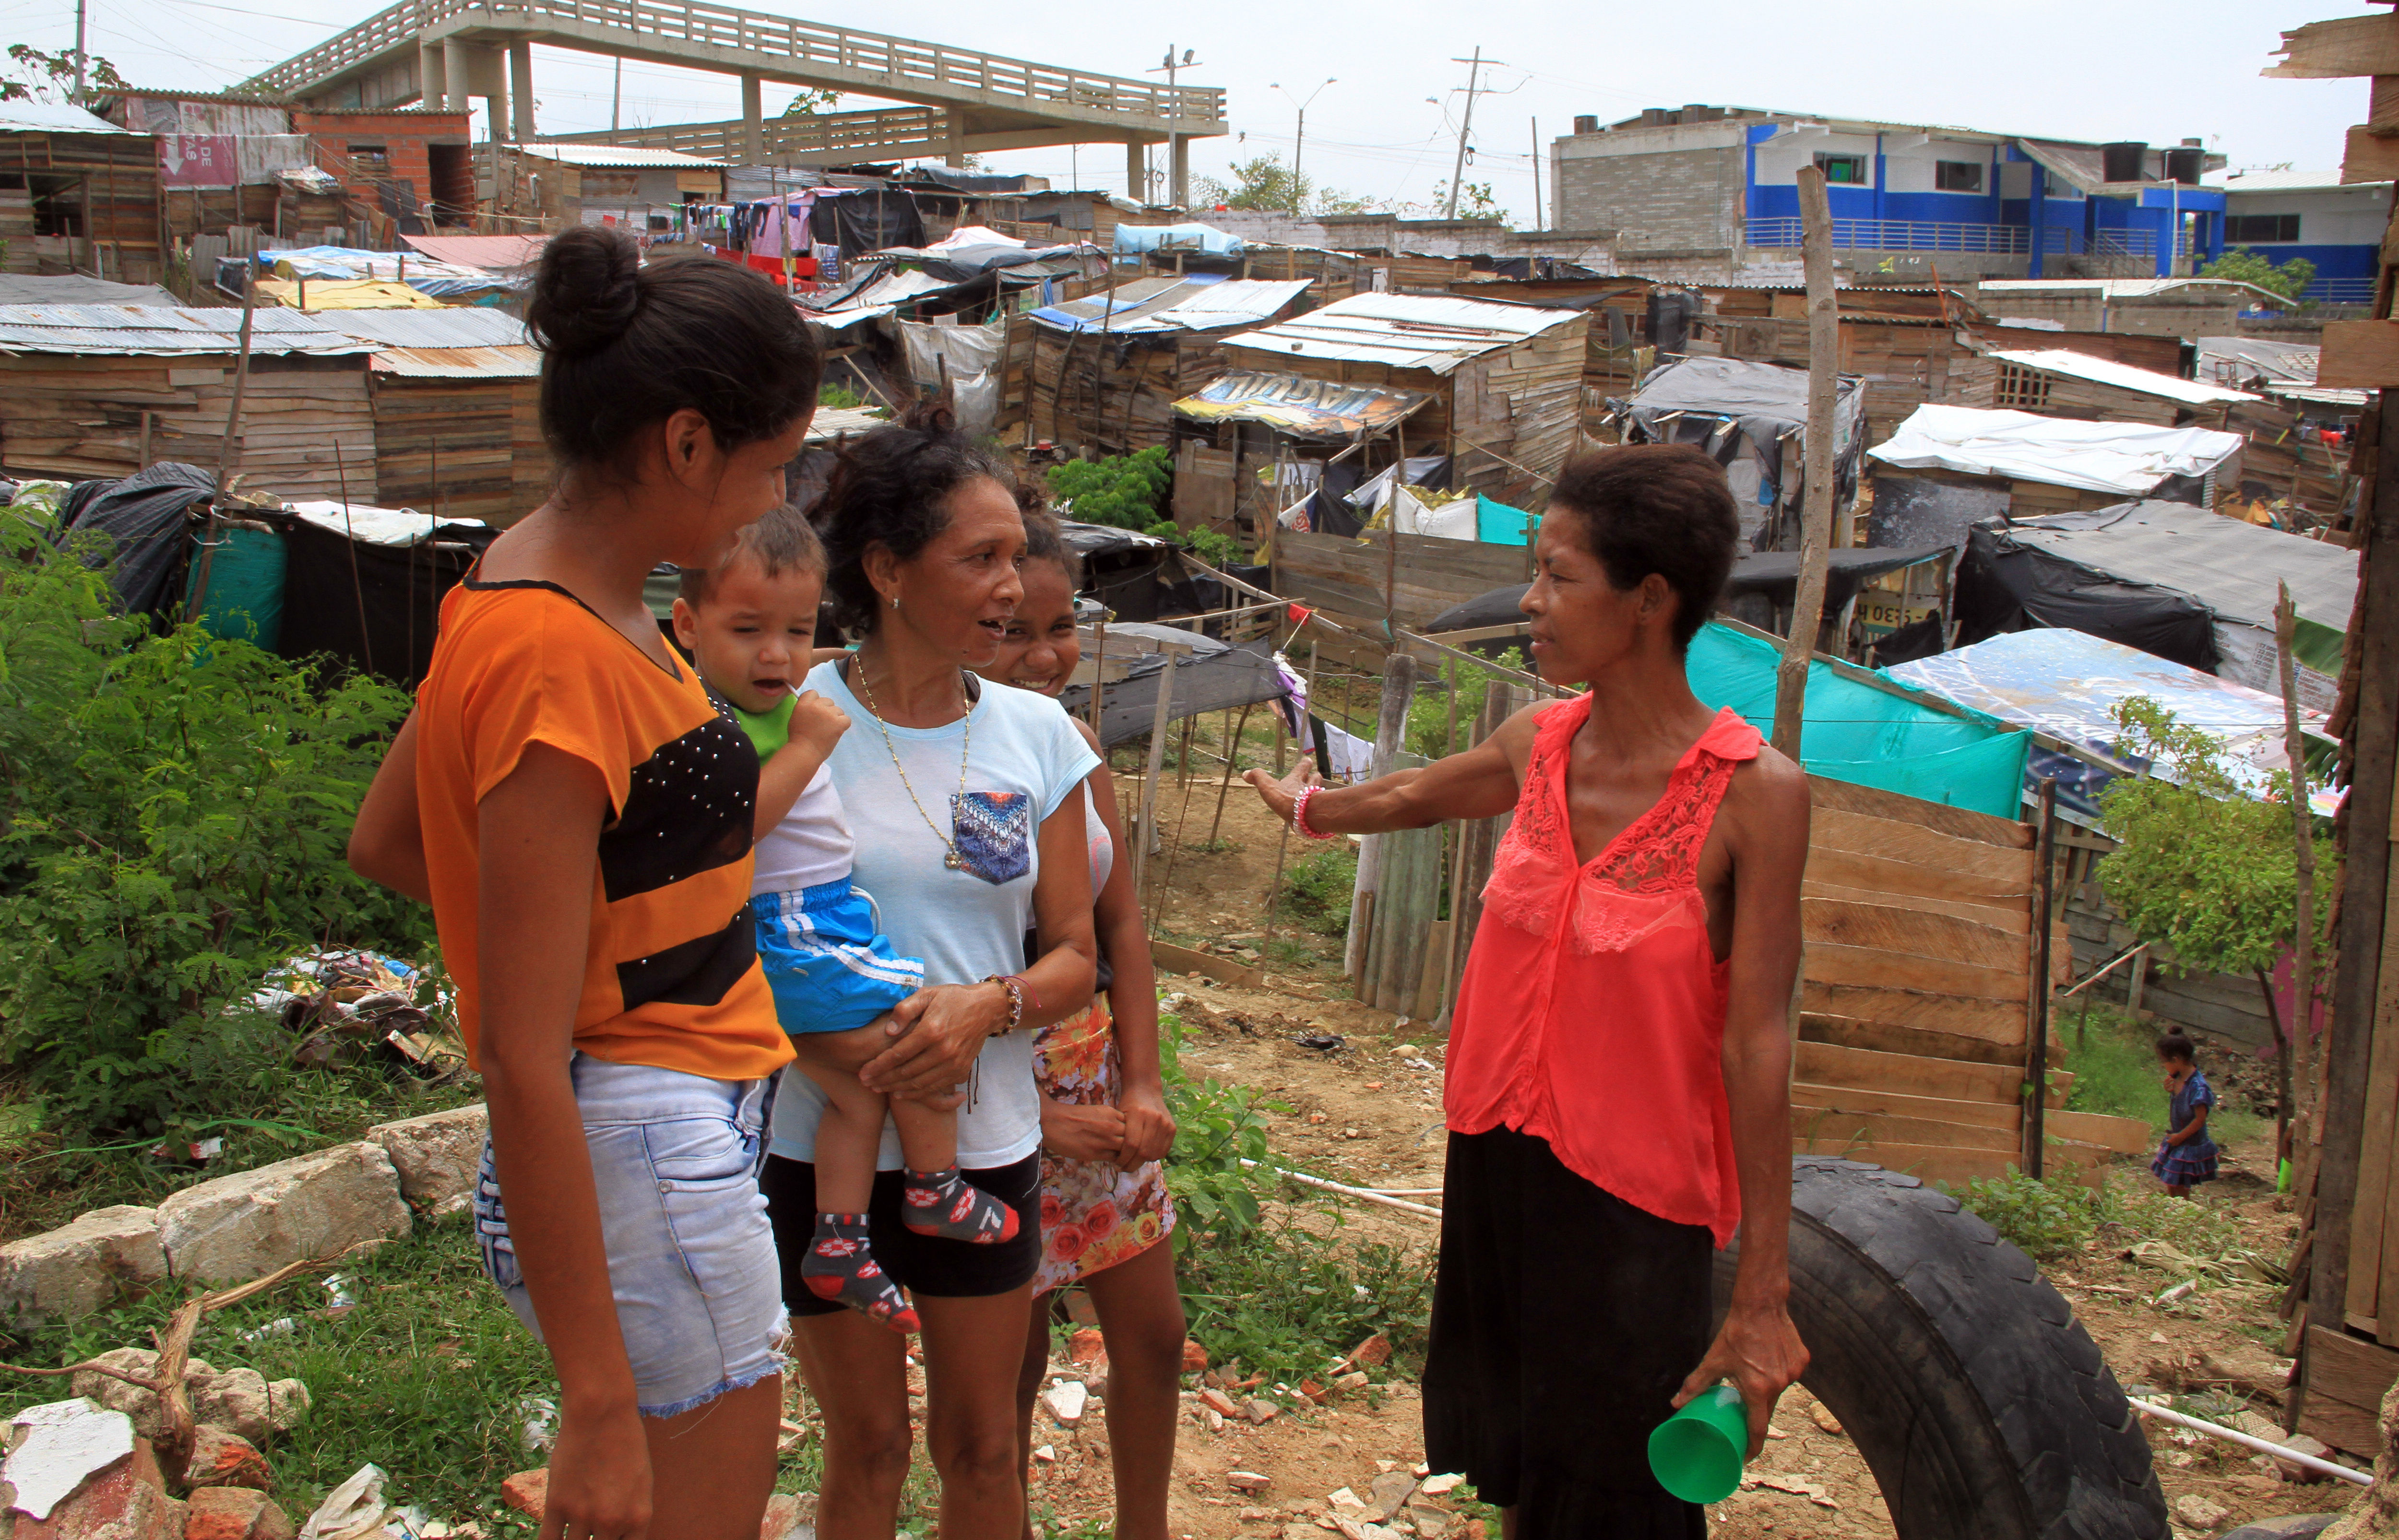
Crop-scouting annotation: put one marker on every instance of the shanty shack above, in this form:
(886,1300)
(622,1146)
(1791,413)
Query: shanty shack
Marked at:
(1107,369)
(1753,418)
(1505,381)
(77,193)
(2058,381)
(1948,466)
(90,391)
(458,429)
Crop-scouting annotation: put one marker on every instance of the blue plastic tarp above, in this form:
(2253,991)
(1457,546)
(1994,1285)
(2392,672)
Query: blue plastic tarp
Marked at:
(1497,525)
(1194,236)
(1856,732)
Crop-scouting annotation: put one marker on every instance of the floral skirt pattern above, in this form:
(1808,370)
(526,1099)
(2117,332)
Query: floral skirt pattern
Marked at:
(1094,1214)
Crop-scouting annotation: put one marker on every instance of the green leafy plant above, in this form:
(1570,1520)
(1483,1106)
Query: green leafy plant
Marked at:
(1476,201)
(2289,279)
(1317,891)
(1264,183)
(176,812)
(2200,865)
(1126,490)
(1216,1127)
(40,76)
(1429,715)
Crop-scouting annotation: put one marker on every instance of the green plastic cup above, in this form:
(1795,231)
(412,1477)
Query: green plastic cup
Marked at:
(1697,1454)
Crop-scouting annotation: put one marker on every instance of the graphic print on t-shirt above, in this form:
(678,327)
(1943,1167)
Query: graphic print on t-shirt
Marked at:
(689,809)
(993,832)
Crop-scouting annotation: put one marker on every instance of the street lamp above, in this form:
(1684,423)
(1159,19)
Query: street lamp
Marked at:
(1299,142)
(1176,192)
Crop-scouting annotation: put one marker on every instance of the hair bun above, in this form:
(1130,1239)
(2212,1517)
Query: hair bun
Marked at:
(586,292)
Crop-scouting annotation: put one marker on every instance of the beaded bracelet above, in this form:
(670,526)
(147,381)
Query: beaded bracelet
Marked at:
(1299,814)
(1015,988)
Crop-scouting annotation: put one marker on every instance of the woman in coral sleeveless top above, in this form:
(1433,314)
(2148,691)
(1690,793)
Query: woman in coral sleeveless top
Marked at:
(1617,1097)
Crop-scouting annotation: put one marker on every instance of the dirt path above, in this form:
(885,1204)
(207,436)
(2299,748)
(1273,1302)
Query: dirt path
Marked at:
(1368,1112)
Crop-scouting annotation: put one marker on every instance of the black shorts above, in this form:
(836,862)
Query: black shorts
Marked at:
(926,1265)
(1563,1320)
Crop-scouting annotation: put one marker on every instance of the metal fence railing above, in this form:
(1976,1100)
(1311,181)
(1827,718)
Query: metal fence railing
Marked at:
(1898,234)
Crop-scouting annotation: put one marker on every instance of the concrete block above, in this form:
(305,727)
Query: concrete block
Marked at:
(435,1155)
(81,1267)
(313,1206)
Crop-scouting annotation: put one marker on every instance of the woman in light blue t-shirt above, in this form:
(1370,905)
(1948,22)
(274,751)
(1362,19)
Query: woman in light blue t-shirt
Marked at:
(968,833)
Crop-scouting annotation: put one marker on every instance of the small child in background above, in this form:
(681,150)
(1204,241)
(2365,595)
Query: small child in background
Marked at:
(2188,1156)
(750,627)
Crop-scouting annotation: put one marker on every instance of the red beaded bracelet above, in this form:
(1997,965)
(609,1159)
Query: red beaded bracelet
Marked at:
(1299,814)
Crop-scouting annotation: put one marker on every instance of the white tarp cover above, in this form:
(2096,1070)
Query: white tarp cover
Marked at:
(374,526)
(964,357)
(2130,459)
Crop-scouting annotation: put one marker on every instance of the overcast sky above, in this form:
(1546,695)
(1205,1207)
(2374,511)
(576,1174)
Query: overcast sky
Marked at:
(2070,69)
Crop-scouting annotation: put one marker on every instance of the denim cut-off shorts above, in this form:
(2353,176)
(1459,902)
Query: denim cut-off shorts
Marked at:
(829,967)
(691,1255)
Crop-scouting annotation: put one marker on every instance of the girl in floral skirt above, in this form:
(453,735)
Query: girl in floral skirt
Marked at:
(1104,1209)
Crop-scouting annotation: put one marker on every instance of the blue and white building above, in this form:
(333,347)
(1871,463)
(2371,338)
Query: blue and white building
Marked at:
(2313,214)
(1689,183)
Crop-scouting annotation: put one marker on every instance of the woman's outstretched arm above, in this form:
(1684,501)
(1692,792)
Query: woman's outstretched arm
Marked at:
(1481,782)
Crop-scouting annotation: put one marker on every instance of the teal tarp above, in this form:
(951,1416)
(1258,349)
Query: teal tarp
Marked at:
(1867,737)
(1497,525)
(245,597)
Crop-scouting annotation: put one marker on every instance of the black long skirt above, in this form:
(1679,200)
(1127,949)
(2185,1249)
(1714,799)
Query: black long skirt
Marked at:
(1564,1321)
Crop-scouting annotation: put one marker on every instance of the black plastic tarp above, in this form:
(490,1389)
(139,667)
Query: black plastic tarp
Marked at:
(863,221)
(369,607)
(1215,678)
(2004,585)
(147,518)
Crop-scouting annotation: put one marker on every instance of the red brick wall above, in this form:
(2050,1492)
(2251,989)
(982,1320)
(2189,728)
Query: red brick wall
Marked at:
(403,136)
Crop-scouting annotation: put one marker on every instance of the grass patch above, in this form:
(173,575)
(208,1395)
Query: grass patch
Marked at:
(1316,892)
(2050,1217)
(1284,1300)
(425,1378)
(2117,1072)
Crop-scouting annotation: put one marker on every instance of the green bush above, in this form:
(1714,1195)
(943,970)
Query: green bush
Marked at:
(1128,490)
(2045,1218)
(176,810)
(1216,1127)
(1317,893)
(1429,715)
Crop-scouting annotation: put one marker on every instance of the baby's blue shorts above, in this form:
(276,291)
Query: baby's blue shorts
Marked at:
(830,968)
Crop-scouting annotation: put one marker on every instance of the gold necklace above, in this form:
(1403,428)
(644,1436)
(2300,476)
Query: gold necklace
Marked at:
(954,860)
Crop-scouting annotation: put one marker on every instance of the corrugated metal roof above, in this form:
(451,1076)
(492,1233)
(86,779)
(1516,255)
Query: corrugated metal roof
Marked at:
(1315,409)
(2107,371)
(2113,289)
(117,329)
(452,326)
(1429,332)
(2289,181)
(459,363)
(1199,302)
(496,252)
(831,423)
(606,155)
(52,118)
(2242,358)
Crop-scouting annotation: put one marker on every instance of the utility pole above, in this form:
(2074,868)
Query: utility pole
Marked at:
(1176,193)
(79,85)
(616,95)
(1473,73)
(1299,142)
(1540,218)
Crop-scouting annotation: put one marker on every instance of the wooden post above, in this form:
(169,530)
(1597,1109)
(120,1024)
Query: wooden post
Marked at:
(2136,985)
(1390,730)
(2303,945)
(229,452)
(1816,518)
(2037,1011)
(147,419)
(1099,657)
(1232,755)
(1147,838)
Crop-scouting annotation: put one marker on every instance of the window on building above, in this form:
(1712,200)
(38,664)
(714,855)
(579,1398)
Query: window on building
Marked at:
(1958,176)
(2256,229)
(1849,170)
(371,161)
(2021,388)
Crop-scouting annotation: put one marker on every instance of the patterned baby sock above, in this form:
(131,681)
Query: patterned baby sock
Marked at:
(841,1267)
(942,1203)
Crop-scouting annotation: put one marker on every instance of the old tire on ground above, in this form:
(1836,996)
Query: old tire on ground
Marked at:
(1980,1403)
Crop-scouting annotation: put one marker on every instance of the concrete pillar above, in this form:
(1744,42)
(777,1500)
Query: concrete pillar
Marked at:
(953,140)
(1179,172)
(429,82)
(521,87)
(754,126)
(1136,172)
(454,75)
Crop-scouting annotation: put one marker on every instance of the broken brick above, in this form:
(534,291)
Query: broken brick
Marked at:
(126,1501)
(1217,1401)
(233,1513)
(527,1491)
(1085,1346)
(1195,1358)
(1374,1352)
(223,1459)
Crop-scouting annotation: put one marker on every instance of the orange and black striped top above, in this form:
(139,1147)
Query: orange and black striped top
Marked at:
(671,980)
